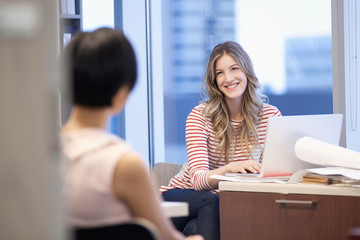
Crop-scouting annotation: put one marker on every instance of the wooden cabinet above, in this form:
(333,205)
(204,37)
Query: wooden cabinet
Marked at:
(266,215)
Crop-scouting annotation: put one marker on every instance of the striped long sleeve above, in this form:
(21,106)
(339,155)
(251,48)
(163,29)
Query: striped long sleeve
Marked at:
(202,152)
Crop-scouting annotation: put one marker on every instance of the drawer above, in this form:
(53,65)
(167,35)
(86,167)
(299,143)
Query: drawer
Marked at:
(254,215)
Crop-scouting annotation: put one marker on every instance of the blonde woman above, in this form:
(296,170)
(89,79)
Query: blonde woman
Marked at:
(224,134)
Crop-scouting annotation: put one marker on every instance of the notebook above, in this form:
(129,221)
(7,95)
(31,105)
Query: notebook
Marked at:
(278,157)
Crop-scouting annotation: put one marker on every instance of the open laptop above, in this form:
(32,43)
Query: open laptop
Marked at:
(278,157)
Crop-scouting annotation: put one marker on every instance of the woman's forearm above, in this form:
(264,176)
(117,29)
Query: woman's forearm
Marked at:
(219,171)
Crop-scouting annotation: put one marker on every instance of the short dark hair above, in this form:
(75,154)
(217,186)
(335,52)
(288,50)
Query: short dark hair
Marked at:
(100,63)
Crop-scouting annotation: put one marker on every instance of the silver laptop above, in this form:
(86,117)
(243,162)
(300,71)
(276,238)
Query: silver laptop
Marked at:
(278,157)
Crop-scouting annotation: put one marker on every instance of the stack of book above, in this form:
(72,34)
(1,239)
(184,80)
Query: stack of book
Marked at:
(314,178)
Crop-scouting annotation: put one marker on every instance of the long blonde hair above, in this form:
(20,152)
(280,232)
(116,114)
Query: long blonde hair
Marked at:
(215,107)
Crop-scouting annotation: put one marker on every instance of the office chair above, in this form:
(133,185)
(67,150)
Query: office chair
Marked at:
(138,229)
(162,173)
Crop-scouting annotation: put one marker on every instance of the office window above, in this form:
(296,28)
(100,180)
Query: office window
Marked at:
(97,14)
(288,41)
(183,32)
(290,44)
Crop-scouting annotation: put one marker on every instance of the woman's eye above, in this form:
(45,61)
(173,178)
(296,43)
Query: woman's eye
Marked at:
(235,68)
(218,73)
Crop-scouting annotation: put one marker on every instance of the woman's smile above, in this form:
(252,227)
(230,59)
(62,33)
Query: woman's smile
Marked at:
(232,86)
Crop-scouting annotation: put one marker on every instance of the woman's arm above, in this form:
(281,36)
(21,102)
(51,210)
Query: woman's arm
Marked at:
(197,133)
(132,184)
(249,165)
(234,167)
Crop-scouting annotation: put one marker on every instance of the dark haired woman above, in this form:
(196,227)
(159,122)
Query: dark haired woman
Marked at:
(105,181)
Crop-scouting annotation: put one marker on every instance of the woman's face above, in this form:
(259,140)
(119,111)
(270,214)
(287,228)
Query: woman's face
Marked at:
(231,80)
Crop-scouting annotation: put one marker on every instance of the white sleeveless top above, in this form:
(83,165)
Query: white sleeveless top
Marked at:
(89,159)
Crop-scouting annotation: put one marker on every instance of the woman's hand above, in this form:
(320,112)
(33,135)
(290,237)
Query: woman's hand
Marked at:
(244,167)
(234,167)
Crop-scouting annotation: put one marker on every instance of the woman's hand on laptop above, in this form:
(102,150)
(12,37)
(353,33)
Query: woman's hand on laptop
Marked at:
(244,167)
(249,166)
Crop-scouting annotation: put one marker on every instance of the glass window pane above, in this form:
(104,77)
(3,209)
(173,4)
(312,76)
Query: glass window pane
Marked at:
(290,45)
(93,18)
(288,41)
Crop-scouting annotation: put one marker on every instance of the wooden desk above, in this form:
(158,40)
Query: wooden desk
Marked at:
(287,211)
(175,209)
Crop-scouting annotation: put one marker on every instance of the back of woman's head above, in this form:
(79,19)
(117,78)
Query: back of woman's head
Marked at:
(100,63)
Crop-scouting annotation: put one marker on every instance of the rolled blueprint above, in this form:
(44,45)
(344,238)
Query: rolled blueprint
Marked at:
(325,154)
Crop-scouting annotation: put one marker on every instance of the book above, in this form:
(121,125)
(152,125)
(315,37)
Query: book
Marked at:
(314,178)
(66,39)
(70,7)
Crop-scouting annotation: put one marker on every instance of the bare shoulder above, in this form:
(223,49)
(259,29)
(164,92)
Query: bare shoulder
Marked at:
(130,165)
(130,176)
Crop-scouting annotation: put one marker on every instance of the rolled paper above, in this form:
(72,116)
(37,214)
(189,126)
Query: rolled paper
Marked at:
(325,154)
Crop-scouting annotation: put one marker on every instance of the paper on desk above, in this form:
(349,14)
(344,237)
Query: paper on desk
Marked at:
(347,172)
(325,154)
(249,179)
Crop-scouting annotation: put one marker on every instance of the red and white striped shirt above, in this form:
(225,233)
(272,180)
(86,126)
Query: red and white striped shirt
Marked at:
(202,152)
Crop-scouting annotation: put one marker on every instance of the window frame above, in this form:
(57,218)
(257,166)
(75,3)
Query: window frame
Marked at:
(345,35)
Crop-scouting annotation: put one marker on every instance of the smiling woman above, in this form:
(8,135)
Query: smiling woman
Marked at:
(221,134)
(245,102)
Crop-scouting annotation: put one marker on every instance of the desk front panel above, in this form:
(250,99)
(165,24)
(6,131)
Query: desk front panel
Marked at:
(253,215)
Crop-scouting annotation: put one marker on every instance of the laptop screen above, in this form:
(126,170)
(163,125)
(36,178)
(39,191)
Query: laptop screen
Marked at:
(279,157)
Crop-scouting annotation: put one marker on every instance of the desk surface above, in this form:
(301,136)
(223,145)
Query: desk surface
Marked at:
(298,188)
(175,209)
